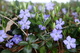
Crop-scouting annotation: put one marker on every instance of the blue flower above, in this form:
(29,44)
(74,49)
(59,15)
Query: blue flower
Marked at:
(24,24)
(42,27)
(64,10)
(16,39)
(59,23)
(75,14)
(58,26)
(2,35)
(9,44)
(77,20)
(70,42)
(56,34)
(49,6)
(24,13)
(46,17)
(30,7)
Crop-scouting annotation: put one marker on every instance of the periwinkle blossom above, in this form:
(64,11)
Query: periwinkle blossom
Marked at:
(25,24)
(30,7)
(49,6)
(16,39)
(75,14)
(9,44)
(42,27)
(56,34)
(2,35)
(59,23)
(46,17)
(77,20)
(24,13)
(70,42)
(64,10)
(58,26)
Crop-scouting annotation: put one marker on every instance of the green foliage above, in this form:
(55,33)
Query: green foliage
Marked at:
(40,40)
(6,51)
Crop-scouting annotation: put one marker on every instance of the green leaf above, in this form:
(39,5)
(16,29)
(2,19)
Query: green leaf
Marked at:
(23,43)
(32,38)
(16,31)
(6,51)
(43,49)
(35,46)
(49,44)
(55,50)
(72,50)
(47,21)
(27,49)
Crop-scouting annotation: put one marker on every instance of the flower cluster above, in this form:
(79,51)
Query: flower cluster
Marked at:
(70,42)
(25,23)
(56,33)
(16,39)
(2,35)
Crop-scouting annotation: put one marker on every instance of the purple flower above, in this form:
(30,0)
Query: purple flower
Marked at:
(46,17)
(16,39)
(60,21)
(24,24)
(9,44)
(64,10)
(77,20)
(56,34)
(70,42)
(24,13)
(30,7)
(49,6)
(2,35)
(75,14)
(42,27)
(58,26)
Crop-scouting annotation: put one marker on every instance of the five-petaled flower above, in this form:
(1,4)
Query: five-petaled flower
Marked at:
(16,39)
(25,24)
(59,23)
(9,44)
(24,13)
(56,34)
(70,42)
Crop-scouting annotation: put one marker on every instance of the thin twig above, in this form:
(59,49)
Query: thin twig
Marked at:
(14,23)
